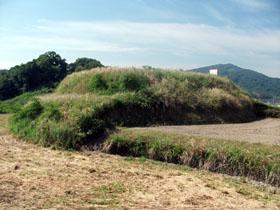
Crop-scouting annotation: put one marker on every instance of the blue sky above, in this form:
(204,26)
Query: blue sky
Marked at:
(162,33)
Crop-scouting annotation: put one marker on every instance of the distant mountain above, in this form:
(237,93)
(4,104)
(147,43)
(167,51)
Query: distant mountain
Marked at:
(257,84)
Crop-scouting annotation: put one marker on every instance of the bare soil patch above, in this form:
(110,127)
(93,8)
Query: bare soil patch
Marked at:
(264,131)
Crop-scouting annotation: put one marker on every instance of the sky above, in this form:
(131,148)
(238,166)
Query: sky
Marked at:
(181,34)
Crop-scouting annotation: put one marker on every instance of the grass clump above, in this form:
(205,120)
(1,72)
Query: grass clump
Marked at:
(256,161)
(22,123)
(112,82)
(142,147)
(40,124)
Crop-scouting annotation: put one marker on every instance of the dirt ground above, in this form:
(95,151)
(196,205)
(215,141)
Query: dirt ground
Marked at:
(32,177)
(264,131)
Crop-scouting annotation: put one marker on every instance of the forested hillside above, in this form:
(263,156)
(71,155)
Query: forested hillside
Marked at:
(257,84)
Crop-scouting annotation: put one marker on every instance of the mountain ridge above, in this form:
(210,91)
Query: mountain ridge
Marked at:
(256,84)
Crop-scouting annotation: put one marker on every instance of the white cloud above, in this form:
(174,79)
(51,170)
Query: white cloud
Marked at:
(131,36)
(171,39)
(67,43)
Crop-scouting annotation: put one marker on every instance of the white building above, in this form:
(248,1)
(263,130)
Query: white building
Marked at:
(213,72)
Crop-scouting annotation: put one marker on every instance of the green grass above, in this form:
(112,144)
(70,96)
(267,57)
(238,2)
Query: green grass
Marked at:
(112,80)
(15,104)
(256,161)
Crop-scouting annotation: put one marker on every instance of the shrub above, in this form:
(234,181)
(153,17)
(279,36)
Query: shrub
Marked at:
(92,127)
(58,135)
(32,110)
(24,128)
(133,82)
(98,83)
(52,112)
(111,82)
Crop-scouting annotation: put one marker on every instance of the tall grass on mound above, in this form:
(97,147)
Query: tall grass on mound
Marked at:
(258,162)
(111,80)
(70,122)
(87,105)
(207,98)
(41,124)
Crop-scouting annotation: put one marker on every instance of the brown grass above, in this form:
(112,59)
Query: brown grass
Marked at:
(32,177)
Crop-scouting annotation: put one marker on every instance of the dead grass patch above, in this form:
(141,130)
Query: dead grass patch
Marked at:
(53,179)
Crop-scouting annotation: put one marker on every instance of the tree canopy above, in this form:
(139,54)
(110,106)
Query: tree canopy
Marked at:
(44,72)
(84,63)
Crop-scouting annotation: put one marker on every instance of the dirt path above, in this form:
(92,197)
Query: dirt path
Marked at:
(264,131)
(32,177)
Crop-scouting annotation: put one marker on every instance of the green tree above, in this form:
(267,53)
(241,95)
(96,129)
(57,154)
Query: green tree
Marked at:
(52,68)
(84,63)
(45,71)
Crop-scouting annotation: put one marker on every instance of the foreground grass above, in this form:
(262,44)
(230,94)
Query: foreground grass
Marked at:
(33,177)
(256,161)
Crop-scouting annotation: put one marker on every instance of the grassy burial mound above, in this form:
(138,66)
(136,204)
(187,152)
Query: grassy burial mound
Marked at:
(88,104)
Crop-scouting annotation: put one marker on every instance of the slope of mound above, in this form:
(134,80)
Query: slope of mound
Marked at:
(112,80)
(88,104)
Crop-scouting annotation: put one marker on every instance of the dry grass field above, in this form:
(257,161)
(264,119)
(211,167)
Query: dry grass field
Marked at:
(264,131)
(33,177)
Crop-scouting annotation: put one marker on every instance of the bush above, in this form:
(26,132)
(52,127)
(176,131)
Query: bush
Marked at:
(133,82)
(84,64)
(51,112)
(57,135)
(98,83)
(111,82)
(92,127)
(32,110)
